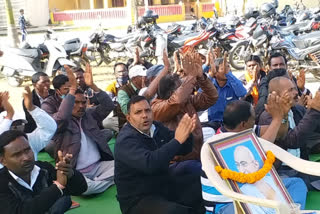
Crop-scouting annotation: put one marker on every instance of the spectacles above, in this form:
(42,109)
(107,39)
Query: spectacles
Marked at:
(243,163)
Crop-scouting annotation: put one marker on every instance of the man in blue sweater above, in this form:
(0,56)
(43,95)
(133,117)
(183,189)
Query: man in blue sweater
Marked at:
(229,88)
(143,152)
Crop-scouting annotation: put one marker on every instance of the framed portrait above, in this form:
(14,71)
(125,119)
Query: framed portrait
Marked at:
(242,152)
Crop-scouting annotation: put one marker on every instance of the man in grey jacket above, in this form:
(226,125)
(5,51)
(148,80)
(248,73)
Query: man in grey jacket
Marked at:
(79,134)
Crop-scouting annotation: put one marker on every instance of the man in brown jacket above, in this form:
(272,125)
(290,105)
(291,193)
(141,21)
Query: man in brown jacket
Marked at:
(176,97)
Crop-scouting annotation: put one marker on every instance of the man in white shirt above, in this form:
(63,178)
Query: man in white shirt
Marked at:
(46,126)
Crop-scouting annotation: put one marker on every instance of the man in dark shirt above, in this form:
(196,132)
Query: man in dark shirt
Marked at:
(33,187)
(143,152)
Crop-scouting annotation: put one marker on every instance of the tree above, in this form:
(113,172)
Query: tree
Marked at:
(12,33)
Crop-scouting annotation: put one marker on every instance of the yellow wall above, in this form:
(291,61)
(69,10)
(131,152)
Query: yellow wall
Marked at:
(62,4)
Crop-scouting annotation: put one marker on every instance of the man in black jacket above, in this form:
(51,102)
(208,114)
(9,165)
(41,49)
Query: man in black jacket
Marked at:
(29,187)
(143,152)
(304,125)
(41,85)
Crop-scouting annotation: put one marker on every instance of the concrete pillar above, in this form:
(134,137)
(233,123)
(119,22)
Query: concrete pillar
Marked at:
(77,4)
(91,4)
(146,4)
(106,4)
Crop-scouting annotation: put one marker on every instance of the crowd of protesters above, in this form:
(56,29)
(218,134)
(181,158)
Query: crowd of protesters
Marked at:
(160,116)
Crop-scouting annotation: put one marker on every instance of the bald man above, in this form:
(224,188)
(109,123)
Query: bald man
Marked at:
(264,188)
(304,125)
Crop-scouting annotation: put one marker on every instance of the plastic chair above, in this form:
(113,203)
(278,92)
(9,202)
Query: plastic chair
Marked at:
(208,164)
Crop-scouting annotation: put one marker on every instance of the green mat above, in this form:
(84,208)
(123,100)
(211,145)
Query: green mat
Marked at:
(102,203)
(314,157)
(313,200)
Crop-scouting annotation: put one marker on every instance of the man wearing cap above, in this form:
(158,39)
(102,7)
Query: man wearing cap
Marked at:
(137,79)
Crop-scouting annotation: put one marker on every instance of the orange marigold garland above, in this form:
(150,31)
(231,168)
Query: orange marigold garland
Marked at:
(250,177)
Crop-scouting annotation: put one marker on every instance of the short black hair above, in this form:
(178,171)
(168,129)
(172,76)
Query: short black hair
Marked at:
(167,85)
(119,63)
(275,55)
(236,112)
(135,99)
(59,80)
(78,69)
(129,62)
(218,62)
(252,57)
(79,91)
(278,72)
(36,77)
(9,136)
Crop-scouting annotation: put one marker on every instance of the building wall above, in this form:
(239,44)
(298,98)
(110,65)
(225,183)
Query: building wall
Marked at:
(62,5)
(38,11)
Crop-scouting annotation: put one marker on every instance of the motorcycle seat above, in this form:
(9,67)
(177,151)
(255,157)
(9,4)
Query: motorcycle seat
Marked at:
(31,53)
(307,40)
(72,47)
(179,41)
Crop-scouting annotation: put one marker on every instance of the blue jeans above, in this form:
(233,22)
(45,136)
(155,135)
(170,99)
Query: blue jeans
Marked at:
(24,34)
(296,187)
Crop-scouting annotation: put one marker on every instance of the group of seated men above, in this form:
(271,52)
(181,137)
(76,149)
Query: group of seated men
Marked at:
(160,116)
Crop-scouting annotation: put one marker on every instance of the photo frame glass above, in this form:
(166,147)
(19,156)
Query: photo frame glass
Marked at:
(243,152)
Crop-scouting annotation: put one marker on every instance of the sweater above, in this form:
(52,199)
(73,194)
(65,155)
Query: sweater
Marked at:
(17,199)
(142,163)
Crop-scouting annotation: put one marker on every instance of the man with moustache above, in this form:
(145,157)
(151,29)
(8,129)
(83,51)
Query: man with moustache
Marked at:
(32,187)
(41,90)
(79,134)
(143,152)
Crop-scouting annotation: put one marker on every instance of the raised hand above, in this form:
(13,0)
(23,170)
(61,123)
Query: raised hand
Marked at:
(301,79)
(185,128)
(64,169)
(6,104)
(273,107)
(71,77)
(285,103)
(212,57)
(88,79)
(192,64)
(177,66)
(137,60)
(27,99)
(225,63)
(315,102)
(166,62)
(217,52)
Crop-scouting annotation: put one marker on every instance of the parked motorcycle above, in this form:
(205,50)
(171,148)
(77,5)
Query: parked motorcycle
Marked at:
(21,64)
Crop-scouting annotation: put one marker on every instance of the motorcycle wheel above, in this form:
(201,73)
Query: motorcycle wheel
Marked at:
(237,55)
(14,81)
(95,57)
(105,50)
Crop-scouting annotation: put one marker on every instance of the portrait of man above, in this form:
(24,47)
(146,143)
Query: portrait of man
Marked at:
(264,188)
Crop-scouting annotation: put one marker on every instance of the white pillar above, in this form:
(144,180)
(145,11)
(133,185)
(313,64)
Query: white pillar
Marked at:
(146,4)
(91,4)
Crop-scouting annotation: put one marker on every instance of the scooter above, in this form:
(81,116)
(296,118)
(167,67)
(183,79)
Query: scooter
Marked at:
(21,64)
